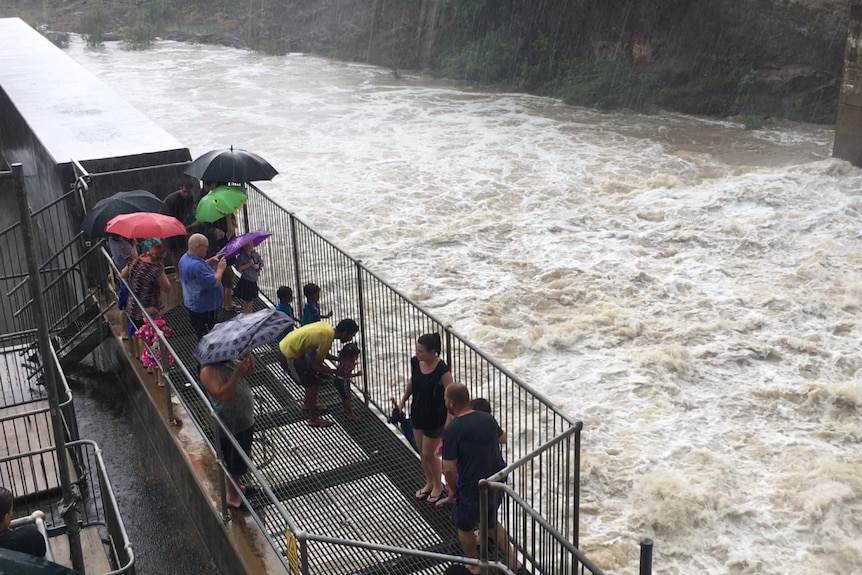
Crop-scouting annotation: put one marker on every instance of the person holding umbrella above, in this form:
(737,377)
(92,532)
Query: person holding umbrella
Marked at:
(225,354)
(295,347)
(147,279)
(248,263)
(232,399)
(201,283)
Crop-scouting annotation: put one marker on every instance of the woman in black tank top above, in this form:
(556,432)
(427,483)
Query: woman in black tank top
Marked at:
(429,377)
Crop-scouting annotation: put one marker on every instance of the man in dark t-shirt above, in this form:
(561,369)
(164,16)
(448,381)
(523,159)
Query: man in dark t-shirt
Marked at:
(26,539)
(471,453)
(181,205)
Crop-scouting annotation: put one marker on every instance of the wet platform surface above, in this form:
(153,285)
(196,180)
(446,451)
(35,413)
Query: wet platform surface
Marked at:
(354,480)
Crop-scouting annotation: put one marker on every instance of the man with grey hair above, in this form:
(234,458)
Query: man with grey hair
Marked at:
(201,282)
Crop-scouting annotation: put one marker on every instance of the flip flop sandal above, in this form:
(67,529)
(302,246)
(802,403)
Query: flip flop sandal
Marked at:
(435,499)
(422,495)
(320,423)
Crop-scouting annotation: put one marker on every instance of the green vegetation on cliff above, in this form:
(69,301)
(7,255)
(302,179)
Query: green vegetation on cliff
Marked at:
(767,58)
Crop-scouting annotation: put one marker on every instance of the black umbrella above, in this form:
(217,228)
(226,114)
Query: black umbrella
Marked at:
(231,166)
(120,203)
(13,562)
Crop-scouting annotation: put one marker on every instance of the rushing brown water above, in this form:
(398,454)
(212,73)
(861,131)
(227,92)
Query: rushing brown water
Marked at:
(689,289)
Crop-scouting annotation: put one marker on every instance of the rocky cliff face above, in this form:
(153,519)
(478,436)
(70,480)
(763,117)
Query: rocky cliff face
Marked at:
(780,58)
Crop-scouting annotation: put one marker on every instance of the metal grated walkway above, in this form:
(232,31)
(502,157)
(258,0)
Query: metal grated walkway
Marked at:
(354,480)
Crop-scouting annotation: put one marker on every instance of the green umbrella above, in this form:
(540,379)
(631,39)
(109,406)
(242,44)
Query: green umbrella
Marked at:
(220,202)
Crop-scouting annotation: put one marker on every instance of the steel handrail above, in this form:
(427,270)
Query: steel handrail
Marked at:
(218,425)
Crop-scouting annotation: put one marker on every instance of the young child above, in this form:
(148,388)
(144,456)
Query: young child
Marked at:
(311,310)
(248,263)
(285,297)
(346,363)
(148,335)
(347,358)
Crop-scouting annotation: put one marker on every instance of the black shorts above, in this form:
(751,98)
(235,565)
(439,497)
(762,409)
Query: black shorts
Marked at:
(429,431)
(246,290)
(465,514)
(232,460)
(301,372)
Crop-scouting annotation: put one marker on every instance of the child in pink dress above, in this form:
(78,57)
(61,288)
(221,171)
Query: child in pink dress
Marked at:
(148,335)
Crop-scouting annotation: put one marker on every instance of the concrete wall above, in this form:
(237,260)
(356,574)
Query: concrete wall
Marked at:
(53,111)
(848,128)
(236,547)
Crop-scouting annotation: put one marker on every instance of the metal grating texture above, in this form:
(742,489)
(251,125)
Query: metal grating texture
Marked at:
(354,480)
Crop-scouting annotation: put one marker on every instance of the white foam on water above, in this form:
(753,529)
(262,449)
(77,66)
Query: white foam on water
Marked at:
(689,289)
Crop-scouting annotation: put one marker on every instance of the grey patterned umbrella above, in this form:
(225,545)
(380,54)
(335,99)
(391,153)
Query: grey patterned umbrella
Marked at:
(233,339)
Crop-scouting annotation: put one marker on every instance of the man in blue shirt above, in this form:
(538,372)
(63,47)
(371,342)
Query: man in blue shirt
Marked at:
(201,281)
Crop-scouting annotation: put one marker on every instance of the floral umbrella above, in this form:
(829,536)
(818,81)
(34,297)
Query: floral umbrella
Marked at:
(234,338)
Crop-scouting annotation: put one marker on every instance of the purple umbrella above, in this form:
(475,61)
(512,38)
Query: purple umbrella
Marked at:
(236,243)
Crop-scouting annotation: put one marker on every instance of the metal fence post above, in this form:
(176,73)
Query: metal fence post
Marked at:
(303,552)
(483,524)
(646,557)
(295,249)
(70,513)
(222,492)
(361,320)
(159,355)
(577,483)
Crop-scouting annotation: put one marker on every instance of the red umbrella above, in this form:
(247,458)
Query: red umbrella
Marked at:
(145,225)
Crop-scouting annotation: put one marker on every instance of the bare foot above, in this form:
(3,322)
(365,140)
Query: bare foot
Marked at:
(445,502)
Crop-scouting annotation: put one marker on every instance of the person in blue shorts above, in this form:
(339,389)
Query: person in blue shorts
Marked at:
(471,452)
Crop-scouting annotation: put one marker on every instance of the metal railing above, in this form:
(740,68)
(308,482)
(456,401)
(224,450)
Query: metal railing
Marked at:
(26,412)
(61,258)
(97,505)
(31,468)
(389,324)
(535,534)
(545,441)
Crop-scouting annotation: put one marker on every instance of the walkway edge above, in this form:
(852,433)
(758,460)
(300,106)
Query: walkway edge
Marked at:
(235,547)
